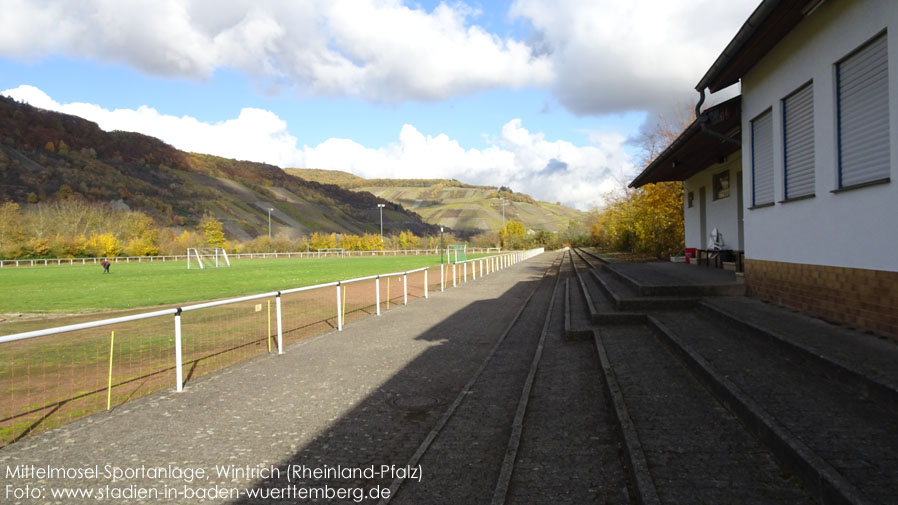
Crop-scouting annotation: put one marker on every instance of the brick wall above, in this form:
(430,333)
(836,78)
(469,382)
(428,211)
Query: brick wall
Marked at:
(860,298)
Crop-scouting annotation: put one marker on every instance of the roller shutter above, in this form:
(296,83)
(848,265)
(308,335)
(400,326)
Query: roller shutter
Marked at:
(863,93)
(762,159)
(798,142)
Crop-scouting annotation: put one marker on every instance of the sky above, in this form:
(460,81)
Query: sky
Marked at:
(547,97)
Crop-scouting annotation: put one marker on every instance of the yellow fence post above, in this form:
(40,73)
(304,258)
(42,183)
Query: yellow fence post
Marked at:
(109,388)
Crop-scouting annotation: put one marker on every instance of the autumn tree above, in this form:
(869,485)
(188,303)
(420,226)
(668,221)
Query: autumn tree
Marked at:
(318,241)
(648,219)
(11,227)
(212,230)
(512,234)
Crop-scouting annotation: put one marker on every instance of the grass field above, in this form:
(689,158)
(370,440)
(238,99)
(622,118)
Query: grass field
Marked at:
(83,288)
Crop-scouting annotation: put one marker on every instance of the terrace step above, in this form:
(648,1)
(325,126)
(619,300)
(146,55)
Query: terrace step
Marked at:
(627,298)
(840,442)
(683,445)
(862,359)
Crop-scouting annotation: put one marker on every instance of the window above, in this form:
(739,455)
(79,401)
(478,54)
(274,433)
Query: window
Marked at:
(721,183)
(798,143)
(762,159)
(690,198)
(862,83)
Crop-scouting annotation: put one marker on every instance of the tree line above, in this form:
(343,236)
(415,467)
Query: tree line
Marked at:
(76,228)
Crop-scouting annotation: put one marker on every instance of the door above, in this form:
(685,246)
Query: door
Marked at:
(703,219)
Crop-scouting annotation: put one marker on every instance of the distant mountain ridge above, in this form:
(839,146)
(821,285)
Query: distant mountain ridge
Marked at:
(466,208)
(46,155)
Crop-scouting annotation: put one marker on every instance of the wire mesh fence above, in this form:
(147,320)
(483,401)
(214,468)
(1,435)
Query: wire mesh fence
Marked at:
(50,377)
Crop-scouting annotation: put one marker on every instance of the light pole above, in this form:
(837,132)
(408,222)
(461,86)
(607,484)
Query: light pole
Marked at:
(441,245)
(269,223)
(381,207)
(503,210)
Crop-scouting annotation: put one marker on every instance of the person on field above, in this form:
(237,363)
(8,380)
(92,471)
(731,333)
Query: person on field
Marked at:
(105,263)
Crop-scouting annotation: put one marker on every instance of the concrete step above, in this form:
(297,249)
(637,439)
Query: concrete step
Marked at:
(683,446)
(864,360)
(569,448)
(576,322)
(839,442)
(626,298)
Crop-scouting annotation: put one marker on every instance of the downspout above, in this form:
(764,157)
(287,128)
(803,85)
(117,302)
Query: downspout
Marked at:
(703,122)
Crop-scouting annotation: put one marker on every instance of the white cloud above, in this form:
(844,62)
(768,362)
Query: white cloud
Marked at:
(615,56)
(379,50)
(596,56)
(548,170)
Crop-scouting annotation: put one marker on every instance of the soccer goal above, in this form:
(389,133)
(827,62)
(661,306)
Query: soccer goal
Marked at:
(333,251)
(207,257)
(458,251)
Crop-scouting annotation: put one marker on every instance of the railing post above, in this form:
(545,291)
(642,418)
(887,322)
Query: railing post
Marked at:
(339,314)
(425,282)
(464,267)
(405,288)
(277,304)
(453,275)
(179,373)
(442,279)
(377,293)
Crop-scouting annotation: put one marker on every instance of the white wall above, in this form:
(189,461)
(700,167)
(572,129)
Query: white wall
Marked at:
(856,228)
(721,214)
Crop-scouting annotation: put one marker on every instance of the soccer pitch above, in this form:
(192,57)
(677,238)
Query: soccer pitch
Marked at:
(84,288)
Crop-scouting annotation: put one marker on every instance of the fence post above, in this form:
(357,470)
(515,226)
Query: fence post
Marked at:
(405,288)
(377,293)
(425,282)
(277,304)
(442,277)
(179,373)
(464,267)
(339,315)
(453,274)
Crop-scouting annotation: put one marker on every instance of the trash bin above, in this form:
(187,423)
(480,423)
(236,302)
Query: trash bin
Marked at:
(690,254)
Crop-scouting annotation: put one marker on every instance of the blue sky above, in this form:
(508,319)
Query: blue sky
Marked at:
(485,92)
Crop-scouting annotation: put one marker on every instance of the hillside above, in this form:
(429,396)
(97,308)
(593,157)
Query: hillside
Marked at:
(47,155)
(465,208)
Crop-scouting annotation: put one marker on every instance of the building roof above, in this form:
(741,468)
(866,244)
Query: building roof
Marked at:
(694,150)
(766,26)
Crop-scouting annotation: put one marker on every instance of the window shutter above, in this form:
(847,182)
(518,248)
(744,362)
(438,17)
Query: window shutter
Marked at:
(762,159)
(863,85)
(798,142)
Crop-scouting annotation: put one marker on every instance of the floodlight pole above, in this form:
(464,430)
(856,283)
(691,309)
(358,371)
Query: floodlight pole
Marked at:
(503,210)
(381,207)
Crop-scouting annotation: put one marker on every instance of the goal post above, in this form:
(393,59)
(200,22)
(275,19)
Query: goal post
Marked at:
(207,257)
(458,251)
(332,251)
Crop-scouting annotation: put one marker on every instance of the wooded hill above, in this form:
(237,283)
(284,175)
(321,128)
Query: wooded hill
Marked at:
(465,208)
(47,155)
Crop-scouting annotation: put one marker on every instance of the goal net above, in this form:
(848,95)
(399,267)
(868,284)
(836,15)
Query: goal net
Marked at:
(458,252)
(207,257)
(333,251)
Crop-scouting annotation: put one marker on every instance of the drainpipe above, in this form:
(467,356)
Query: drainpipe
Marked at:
(703,122)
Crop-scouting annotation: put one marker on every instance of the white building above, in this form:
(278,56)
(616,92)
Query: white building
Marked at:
(819,139)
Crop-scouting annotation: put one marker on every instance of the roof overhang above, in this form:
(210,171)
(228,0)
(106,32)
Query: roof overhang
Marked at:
(695,150)
(763,30)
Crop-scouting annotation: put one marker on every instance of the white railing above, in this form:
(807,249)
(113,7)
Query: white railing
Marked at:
(258,255)
(491,263)
(30,406)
